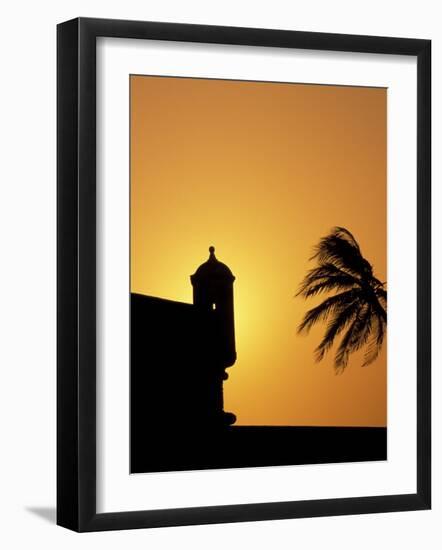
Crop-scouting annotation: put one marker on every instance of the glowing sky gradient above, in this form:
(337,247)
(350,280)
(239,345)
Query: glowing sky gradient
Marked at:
(262,171)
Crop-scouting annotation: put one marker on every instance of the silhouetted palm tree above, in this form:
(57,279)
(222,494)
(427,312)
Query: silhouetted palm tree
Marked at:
(358,310)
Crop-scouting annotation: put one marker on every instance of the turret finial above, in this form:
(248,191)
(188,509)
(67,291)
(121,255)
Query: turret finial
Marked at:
(212,251)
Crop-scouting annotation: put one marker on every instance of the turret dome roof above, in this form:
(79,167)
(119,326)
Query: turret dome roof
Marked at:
(212,269)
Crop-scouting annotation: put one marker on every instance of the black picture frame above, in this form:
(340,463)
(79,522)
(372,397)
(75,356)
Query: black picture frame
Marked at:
(77,287)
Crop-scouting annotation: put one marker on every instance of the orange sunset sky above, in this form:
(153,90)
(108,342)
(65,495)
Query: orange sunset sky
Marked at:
(262,171)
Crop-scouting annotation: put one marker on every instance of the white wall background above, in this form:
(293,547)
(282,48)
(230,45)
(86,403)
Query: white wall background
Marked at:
(27,273)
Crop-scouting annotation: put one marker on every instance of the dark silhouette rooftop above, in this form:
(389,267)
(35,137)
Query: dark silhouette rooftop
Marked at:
(213,269)
(179,356)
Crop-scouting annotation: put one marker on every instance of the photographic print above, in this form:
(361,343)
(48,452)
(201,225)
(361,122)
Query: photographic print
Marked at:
(258,260)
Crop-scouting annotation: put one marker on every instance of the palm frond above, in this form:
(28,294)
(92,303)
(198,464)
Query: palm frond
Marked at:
(345,234)
(356,336)
(323,310)
(362,329)
(341,249)
(374,345)
(338,282)
(381,295)
(326,277)
(343,351)
(335,327)
(380,310)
